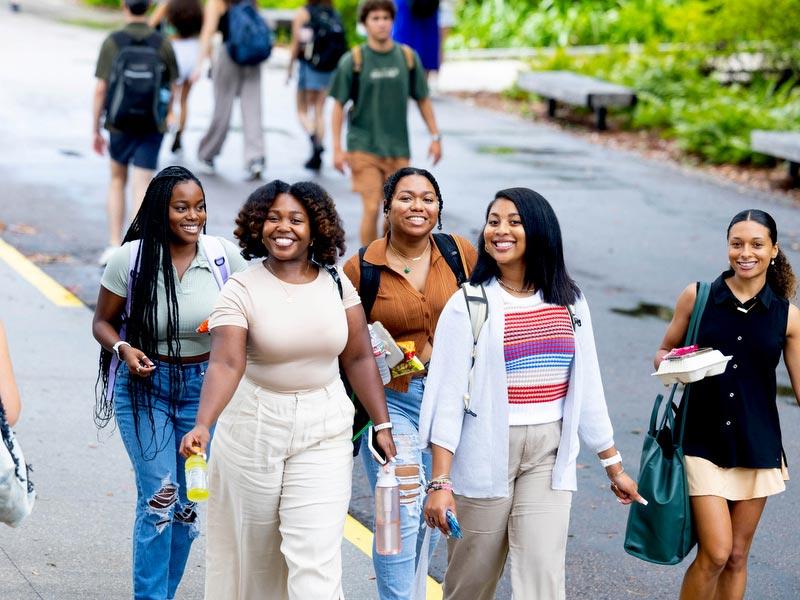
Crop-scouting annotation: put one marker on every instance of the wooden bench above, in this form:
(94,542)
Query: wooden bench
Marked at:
(781,144)
(578,90)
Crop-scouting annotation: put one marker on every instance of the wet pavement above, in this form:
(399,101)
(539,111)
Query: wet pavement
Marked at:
(635,233)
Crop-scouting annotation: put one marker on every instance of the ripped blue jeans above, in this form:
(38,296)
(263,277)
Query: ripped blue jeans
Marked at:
(166,522)
(394,575)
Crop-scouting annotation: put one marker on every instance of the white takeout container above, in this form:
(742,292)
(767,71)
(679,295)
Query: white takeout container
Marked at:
(692,367)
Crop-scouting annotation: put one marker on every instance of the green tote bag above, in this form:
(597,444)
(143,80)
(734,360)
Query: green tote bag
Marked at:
(662,532)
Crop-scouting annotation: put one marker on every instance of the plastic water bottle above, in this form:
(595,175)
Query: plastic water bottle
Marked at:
(197,478)
(387,512)
(379,351)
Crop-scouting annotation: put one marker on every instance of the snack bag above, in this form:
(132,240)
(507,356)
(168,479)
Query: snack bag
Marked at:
(410,363)
(203,328)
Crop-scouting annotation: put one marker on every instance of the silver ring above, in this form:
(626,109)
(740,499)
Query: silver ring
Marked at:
(138,369)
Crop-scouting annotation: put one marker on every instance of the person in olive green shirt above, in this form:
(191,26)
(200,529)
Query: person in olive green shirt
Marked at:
(377,137)
(139,148)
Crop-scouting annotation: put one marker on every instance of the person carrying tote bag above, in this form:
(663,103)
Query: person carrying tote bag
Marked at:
(662,477)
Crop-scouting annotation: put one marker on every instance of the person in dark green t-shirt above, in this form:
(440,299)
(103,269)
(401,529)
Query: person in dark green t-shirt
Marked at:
(386,75)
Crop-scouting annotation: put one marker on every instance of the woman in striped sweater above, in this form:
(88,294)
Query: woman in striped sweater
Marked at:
(505,445)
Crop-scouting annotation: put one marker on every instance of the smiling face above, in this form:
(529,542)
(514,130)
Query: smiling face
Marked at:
(504,235)
(287,229)
(414,209)
(187,212)
(379,25)
(750,249)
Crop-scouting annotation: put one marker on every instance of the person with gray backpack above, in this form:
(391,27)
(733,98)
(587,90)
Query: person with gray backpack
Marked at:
(236,72)
(135,72)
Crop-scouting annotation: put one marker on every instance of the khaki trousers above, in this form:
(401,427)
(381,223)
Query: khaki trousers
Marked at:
(231,80)
(531,525)
(279,483)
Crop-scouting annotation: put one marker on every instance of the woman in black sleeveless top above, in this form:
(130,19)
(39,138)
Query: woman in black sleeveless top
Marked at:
(732,443)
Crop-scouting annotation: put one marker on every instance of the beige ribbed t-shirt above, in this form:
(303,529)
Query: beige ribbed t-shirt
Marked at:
(295,332)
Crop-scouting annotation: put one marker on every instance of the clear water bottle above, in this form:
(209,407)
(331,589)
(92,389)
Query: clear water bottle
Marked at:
(387,512)
(379,351)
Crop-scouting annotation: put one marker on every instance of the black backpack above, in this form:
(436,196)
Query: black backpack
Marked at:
(423,8)
(328,43)
(134,99)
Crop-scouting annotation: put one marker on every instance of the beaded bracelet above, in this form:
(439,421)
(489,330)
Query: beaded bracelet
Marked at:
(442,483)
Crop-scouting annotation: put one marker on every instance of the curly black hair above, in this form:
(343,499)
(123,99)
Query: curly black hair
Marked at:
(391,185)
(186,16)
(327,233)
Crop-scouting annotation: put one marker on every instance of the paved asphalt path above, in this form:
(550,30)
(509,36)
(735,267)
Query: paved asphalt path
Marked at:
(635,232)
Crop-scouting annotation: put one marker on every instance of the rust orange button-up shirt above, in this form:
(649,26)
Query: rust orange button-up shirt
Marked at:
(407,314)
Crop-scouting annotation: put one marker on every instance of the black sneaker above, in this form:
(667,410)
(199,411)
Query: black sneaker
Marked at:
(176,145)
(315,162)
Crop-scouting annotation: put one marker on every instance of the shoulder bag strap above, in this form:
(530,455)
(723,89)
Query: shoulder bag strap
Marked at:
(703,289)
(478,311)
(216,256)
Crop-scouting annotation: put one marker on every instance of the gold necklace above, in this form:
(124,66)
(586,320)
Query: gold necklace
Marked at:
(289,297)
(406,267)
(513,289)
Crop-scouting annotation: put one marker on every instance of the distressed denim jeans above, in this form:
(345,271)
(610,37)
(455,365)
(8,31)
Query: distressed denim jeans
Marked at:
(166,522)
(395,574)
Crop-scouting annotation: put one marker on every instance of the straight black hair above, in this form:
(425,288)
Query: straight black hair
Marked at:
(544,252)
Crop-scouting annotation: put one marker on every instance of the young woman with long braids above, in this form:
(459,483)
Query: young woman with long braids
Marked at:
(504,457)
(415,283)
(732,442)
(162,360)
(280,476)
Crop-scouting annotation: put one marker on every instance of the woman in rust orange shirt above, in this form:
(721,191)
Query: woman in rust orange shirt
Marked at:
(404,279)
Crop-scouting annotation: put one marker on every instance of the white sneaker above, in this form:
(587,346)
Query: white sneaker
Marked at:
(106,255)
(206,167)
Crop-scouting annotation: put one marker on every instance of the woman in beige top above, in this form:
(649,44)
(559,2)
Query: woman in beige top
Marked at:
(279,479)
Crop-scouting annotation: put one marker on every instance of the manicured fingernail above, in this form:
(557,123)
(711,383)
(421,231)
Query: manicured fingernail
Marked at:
(642,501)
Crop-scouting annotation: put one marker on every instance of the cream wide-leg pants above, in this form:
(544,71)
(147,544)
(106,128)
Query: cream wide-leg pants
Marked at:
(279,483)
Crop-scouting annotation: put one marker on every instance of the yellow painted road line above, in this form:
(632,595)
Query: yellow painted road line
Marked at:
(49,287)
(361,538)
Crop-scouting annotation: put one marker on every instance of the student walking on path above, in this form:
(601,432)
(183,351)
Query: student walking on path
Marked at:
(135,102)
(183,19)
(417,24)
(503,414)
(408,283)
(231,80)
(318,42)
(155,292)
(280,474)
(378,77)
(732,443)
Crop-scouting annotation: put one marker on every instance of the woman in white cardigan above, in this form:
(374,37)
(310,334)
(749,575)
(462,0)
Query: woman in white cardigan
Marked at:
(504,448)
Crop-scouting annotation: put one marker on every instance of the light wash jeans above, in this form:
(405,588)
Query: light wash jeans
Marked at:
(166,522)
(394,574)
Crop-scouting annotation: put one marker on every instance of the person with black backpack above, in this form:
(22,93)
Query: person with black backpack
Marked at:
(236,72)
(377,79)
(404,280)
(318,42)
(135,72)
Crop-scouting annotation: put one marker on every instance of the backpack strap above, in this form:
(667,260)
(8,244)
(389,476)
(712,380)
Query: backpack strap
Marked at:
(411,65)
(357,54)
(478,310)
(576,322)
(335,275)
(369,283)
(451,253)
(123,39)
(217,258)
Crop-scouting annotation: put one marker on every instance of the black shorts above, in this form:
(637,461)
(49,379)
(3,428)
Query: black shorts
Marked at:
(141,150)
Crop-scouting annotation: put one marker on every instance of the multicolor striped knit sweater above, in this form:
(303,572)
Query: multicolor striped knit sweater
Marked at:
(539,345)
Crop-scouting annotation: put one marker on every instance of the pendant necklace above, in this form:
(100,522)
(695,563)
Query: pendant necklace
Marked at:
(406,267)
(289,297)
(513,289)
(746,307)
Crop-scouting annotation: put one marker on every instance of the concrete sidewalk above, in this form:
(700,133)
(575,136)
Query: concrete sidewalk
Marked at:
(77,542)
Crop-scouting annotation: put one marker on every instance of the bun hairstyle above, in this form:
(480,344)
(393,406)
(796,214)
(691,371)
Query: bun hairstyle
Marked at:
(780,276)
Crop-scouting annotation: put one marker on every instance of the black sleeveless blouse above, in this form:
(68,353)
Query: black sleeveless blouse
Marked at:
(732,418)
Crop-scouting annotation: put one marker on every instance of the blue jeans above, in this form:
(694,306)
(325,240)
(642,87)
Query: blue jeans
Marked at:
(395,574)
(166,522)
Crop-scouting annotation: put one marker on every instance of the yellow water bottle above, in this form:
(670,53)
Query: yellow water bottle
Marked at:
(197,478)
